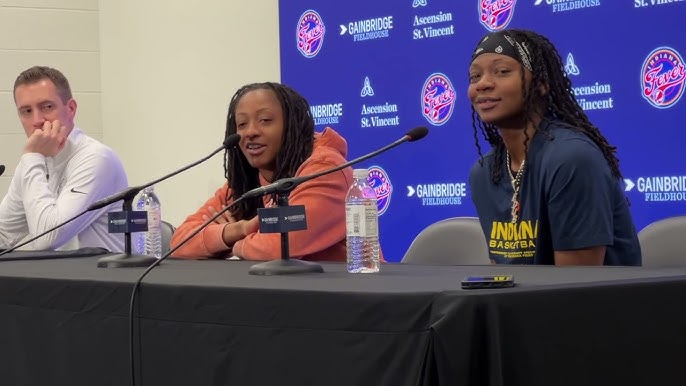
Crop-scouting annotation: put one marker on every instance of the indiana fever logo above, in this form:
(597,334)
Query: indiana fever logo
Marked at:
(378,180)
(662,77)
(310,33)
(438,99)
(496,14)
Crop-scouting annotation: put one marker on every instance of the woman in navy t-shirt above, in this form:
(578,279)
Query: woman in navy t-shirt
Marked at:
(550,189)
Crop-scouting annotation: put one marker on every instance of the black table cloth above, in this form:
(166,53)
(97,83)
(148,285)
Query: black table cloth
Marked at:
(65,322)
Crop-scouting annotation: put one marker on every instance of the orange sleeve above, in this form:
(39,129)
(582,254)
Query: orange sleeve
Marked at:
(324,201)
(209,242)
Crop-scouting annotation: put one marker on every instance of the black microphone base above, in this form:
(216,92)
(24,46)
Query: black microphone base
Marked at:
(285,267)
(126,261)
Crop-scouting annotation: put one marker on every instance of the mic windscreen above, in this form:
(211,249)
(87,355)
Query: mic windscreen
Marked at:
(2,169)
(417,133)
(231,141)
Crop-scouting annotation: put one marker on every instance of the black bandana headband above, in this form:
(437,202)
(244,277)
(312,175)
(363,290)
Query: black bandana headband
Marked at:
(504,44)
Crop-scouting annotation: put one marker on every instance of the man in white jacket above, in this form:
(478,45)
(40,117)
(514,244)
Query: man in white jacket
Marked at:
(61,171)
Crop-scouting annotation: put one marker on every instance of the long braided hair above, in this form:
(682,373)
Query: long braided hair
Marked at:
(559,103)
(296,146)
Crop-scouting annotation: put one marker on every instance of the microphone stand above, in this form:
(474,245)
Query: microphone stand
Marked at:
(285,265)
(127,259)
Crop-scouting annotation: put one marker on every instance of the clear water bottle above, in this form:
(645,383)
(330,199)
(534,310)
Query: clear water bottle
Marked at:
(150,243)
(362,225)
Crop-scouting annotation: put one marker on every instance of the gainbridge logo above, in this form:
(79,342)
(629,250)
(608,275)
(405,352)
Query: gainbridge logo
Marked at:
(439,194)
(369,29)
(513,240)
(659,189)
(327,114)
(568,5)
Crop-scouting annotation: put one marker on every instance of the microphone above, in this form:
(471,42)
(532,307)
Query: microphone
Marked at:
(128,195)
(231,141)
(2,169)
(286,185)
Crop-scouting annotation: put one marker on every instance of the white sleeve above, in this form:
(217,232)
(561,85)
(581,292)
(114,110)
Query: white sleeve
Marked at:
(13,226)
(86,180)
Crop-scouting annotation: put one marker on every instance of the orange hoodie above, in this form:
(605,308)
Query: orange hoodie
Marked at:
(324,201)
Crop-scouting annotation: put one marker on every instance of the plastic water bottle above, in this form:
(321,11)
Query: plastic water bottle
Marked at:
(150,243)
(362,225)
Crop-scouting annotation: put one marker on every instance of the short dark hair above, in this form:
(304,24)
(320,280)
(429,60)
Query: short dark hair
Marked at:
(38,73)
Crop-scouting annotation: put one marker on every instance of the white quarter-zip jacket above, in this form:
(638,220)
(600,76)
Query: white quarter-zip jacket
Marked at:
(46,191)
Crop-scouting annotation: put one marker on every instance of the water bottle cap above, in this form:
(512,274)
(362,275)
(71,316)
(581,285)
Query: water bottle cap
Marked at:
(360,174)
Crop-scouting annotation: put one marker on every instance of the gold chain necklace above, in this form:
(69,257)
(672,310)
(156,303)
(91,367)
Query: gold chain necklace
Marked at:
(516,185)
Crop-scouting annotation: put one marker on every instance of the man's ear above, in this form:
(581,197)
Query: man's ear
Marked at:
(71,105)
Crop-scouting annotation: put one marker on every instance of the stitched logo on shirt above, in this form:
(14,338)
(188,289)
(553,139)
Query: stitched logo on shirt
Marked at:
(77,191)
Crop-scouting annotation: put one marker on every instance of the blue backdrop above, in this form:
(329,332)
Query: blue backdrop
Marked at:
(374,69)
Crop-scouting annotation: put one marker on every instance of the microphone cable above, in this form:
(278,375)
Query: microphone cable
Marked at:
(137,284)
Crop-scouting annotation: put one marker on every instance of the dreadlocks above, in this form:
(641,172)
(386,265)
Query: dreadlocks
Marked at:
(547,69)
(296,146)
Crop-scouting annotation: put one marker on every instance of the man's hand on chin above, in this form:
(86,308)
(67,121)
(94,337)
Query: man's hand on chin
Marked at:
(48,140)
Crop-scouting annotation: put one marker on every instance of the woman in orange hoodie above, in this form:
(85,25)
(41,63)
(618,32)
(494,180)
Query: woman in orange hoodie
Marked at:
(277,141)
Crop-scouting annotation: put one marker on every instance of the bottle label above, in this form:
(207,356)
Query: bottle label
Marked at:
(154,218)
(362,220)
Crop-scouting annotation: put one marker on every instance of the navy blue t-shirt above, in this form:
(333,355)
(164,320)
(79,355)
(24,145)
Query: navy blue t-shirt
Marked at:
(569,200)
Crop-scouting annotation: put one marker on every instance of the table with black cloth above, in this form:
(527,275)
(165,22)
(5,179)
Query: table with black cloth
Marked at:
(65,322)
